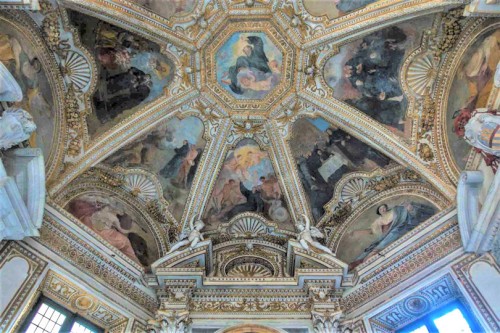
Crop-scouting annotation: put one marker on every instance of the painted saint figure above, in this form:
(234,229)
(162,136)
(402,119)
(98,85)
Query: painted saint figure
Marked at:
(390,225)
(107,222)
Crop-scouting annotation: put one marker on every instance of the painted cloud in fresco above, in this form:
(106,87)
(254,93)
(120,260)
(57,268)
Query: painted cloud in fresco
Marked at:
(109,218)
(324,154)
(132,71)
(171,151)
(380,225)
(247,183)
(249,65)
(365,73)
(19,57)
(470,90)
(334,8)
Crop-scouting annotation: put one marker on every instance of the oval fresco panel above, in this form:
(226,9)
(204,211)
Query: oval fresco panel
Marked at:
(20,58)
(470,90)
(334,8)
(131,69)
(114,222)
(249,65)
(324,154)
(247,183)
(380,225)
(365,73)
(171,151)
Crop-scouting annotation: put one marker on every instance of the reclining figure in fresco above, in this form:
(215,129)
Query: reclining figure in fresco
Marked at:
(193,237)
(307,235)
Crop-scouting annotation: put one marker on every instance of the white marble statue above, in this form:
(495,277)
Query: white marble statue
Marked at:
(9,88)
(193,237)
(16,126)
(307,235)
(482,132)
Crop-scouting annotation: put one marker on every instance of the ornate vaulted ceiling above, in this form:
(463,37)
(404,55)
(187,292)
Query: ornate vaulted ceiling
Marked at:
(248,114)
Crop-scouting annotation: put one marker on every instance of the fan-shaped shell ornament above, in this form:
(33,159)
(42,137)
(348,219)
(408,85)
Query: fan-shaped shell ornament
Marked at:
(141,186)
(421,74)
(247,227)
(249,270)
(77,70)
(354,190)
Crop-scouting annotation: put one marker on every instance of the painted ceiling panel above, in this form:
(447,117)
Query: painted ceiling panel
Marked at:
(324,155)
(172,152)
(132,70)
(366,72)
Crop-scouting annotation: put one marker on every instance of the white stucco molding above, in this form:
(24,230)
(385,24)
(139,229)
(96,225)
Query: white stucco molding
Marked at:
(22,193)
(478,225)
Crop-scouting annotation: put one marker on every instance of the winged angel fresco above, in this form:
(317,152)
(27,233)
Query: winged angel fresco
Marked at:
(307,235)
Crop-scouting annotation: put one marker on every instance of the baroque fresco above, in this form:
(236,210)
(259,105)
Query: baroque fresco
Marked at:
(247,183)
(324,154)
(174,8)
(334,8)
(249,65)
(172,152)
(380,225)
(470,89)
(109,218)
(132,71)
(19,57)
(365,73)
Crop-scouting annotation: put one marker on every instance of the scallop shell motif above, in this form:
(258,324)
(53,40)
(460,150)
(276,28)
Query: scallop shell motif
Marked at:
(77,69)
(247,227)
(249,270)
(354,190)
(421,74)
(141,186)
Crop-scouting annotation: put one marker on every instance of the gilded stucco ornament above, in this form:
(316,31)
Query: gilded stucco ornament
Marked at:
(252,249)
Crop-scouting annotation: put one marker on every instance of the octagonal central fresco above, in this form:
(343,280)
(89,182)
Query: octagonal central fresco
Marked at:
(249,66)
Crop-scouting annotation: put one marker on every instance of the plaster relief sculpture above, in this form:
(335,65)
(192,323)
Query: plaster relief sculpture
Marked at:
(16,126)
(22,59)
(193,237)
(307,235)
(483,132)
(470,91)
(9,88)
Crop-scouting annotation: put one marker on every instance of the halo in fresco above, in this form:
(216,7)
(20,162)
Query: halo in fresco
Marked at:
(111,220)
(172,152)
(19,57)
(324,154)
(247,183)
(380,225)
(470,90)
(249,65)
(365,73)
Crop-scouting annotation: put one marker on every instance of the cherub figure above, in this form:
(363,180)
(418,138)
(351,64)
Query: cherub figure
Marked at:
(307,232)
(193,237)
